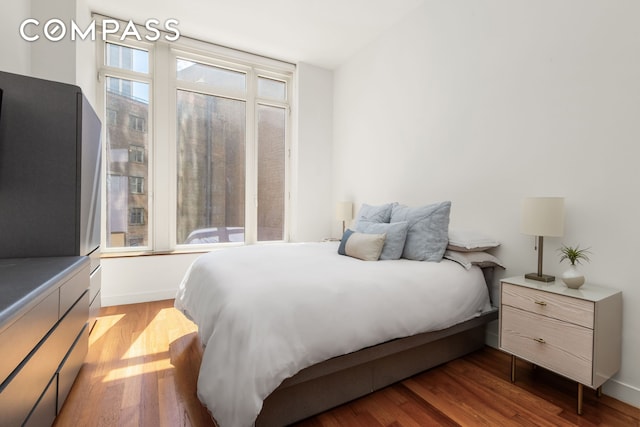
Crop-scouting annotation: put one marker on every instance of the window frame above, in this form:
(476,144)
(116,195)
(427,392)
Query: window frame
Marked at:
(104,72)
(161,185)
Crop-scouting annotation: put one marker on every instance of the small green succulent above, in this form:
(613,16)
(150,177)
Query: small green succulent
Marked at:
(574,254)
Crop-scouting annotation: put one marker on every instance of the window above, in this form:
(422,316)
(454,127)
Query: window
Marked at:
(136,123)
(136,154)
(127,94)
(136,185)
(112,117)
(220,163)
(136,216)
(135,241)
(272,89)
(271,172)
(211,163)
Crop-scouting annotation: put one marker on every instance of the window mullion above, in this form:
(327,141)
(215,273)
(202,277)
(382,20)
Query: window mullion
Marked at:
(251,193)
(163,156)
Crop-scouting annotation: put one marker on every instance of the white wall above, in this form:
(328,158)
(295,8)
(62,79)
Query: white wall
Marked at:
(131,280)
(64,61)
(53,60)
(86,69)
(15,53)
(486,102)
(68,61)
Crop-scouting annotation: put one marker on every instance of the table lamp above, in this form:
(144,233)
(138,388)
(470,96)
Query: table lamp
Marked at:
(542,216)
(344,213)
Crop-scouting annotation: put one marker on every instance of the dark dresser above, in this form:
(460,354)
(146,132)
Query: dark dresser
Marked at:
(50,274)
(44,332)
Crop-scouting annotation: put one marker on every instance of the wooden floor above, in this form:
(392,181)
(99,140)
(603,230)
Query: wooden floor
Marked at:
(143,359)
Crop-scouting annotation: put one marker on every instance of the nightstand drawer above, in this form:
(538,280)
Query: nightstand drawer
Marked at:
(568,309)
(559,346)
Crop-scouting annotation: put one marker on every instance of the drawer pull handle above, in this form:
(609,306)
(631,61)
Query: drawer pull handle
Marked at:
(542,303)
(540,340)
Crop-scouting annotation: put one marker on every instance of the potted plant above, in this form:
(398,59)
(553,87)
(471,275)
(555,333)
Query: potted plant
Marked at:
(572,277)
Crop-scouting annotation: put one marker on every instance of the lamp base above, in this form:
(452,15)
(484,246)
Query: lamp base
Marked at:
(540,277)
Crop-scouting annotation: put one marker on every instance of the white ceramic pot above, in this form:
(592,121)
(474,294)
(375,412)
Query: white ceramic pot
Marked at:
(573,278)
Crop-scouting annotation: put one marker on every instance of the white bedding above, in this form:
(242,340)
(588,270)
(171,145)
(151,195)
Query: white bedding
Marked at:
(266,312)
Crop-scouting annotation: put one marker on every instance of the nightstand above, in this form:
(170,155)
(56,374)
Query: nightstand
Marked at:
(572,332)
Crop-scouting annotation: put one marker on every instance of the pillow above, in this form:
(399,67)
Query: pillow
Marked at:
(371,213)
(467,259)
(470,241)
(427,235)
(395,236)
(363,246)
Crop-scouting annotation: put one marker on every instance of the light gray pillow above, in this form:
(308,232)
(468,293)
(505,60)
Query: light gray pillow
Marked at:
(467,259)
(396,234)
(380,213)
(427,235)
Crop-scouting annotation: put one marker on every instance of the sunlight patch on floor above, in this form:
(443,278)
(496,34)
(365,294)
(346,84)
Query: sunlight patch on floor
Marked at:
(138,369)
(137,358)
(103,324)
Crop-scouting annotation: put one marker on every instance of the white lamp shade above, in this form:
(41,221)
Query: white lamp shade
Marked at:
(344,211)
(543,216)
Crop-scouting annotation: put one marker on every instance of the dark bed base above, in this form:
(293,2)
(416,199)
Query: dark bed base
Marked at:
(344,378)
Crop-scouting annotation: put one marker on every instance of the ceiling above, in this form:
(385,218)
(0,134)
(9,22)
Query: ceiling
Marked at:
(324,33)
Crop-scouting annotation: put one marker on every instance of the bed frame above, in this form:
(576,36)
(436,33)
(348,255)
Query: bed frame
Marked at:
(344,378)
(341,379)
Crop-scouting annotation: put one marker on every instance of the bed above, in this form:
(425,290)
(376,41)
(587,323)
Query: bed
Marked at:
(290,330)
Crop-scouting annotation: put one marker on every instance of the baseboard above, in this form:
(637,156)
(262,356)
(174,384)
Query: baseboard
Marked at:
(137,298)
(623,392)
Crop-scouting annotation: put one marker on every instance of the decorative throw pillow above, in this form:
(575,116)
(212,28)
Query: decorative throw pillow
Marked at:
(381,213)
(467,259)
(427,235)
(470,241)
(367,247)
(396,234)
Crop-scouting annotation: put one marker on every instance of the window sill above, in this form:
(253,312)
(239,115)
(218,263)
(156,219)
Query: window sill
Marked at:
(108,255)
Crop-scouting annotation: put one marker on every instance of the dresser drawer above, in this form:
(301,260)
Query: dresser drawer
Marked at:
(73,289)
(568,309)
(17,341)
(562,347)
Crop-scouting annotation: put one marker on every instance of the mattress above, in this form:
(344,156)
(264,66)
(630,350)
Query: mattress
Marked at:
(264,312)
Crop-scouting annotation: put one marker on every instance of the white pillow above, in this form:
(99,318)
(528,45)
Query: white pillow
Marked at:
(470,241)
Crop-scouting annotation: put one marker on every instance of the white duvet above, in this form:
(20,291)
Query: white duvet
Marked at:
(266,312)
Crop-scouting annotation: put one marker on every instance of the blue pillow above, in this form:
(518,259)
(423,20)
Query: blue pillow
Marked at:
(381,213)
(428,232)
(396,234)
